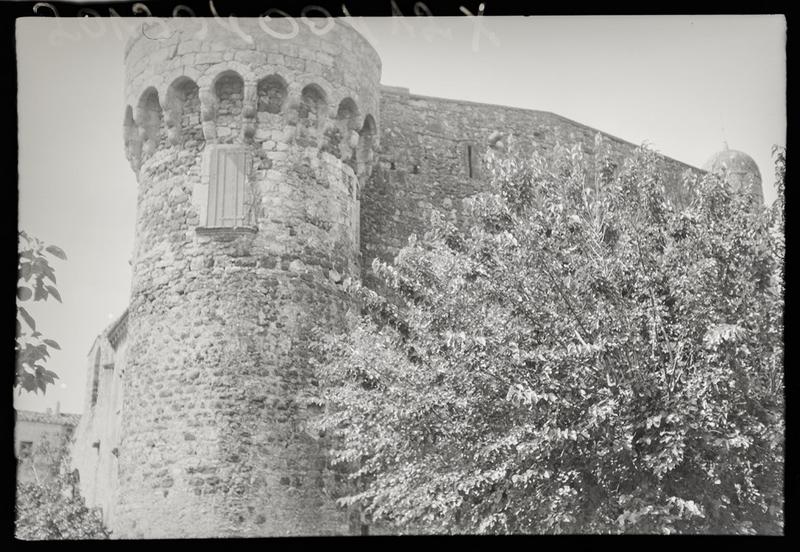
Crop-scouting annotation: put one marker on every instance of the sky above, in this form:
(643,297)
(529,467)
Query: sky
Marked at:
(686,85)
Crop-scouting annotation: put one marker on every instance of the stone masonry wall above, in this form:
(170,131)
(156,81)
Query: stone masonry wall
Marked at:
(423,161)
(213,425)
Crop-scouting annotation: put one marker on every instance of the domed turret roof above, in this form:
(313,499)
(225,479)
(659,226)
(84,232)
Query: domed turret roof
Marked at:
(738,167)
(732,161)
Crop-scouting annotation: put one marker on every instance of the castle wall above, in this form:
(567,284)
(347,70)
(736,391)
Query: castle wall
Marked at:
(424,161)
(213,420)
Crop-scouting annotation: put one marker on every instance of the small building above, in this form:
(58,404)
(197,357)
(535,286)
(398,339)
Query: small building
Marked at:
(95,449)
(37,438)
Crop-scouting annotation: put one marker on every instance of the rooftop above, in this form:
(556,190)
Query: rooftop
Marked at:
(48,417)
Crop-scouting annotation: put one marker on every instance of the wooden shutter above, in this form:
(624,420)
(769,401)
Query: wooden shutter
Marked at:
(226,188)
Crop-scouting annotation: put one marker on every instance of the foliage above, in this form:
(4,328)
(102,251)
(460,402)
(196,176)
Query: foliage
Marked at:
(584,356)
(36,281)
(50,507)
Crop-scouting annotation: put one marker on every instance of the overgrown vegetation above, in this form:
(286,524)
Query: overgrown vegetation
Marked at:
(585,356)
(49,506)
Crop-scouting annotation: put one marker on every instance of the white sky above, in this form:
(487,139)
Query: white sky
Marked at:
(684,84)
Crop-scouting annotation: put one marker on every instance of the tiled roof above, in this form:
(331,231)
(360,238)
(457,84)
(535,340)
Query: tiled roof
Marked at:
(44,417)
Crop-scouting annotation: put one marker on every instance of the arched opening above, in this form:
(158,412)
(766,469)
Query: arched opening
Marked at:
(365,151)
(313,106)
(149,118)
(183,111)
(130,136)
(343,136)
(229,91)
(127,120)
(347,114)
(366,148)
(271,94)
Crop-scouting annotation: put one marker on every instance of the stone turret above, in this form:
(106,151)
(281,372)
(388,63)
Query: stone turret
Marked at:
(250,152)
(738,169)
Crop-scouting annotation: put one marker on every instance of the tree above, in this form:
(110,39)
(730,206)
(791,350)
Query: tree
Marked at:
(36,281)
(583,356)
(50,507)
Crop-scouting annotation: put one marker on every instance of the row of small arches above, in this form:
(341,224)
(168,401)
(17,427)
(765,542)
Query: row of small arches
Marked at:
(230,97)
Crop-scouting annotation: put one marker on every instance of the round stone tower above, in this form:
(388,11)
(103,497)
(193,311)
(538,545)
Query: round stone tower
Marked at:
(251,142)
(739,170)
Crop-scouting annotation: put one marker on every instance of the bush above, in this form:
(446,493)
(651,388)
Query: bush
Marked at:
(50,507)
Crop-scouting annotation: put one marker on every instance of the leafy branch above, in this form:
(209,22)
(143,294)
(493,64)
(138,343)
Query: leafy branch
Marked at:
(36,282)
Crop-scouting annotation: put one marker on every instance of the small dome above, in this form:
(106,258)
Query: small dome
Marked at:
(738,167)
